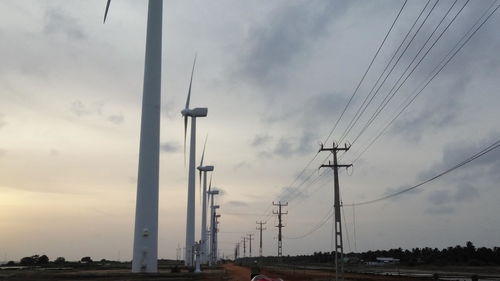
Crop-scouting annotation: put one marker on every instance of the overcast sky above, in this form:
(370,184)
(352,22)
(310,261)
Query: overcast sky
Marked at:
(275,76)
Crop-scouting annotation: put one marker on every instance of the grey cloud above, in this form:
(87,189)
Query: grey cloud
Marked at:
(58,22)
(264,154)
(439,197)
(446,105)
(317,113)
(456,152)
(261,140)
(287,147)
(273,47)
(170,147)
(81,109)
(235,203)
(240,165)
(289,192)
(116,119)
(440,210)
(465,192)
(283,148)
(435,115)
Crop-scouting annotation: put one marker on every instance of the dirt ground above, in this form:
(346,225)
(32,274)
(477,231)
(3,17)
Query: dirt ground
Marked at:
(240,273)
(228,272)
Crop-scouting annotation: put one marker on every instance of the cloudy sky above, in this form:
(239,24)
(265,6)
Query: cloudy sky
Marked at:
(275,77)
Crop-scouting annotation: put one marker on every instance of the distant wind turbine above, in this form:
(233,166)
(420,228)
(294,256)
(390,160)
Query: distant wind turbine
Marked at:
(204,239)
(212,192)
(193,113)
(145,253)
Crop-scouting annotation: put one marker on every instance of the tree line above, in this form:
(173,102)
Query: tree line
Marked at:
(458,255)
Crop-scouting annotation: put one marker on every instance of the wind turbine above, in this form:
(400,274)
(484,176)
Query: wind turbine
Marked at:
(212,192)
(145,253)
(193,113)
(203,170)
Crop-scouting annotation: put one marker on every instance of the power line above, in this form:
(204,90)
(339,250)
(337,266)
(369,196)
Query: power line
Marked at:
(348,103)
(439,67)
(366,72)
(267,211)
(329,214)
(322,222)
(432,77)
(466,161)
(388,97)
(369,96)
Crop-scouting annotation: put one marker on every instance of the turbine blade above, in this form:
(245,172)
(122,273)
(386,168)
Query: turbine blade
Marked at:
(190,84)
(203,154)
(201,189)
(185,133)
(210,185)
(106,12)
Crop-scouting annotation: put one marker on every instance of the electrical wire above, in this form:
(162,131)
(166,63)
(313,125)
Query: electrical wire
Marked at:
(439,67)
(330,212)
(268,209)
(322,222)
(466,161)
(369,96)
(366,72)
(432,77)
(388,97)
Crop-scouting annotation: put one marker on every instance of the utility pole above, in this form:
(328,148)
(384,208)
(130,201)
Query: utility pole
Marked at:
(239,249)
(260,228)
(244,246)
(236,251)
(250,243)
(339,257)
(280,225)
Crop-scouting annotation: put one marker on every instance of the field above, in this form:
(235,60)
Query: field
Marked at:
(232,272)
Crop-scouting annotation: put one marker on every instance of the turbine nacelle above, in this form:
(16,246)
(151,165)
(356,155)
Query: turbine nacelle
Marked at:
(206,168)
(195,112)
(213,192)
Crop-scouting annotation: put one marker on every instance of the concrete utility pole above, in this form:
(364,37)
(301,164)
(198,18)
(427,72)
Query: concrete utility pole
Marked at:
(280,225)
(244,246)
(250,243)
(178,252)
(339,257)
(260,228)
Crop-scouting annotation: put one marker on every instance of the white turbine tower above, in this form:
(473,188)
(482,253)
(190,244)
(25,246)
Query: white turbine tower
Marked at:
(212,192)
(204,238)
(193,113)
(145,255)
